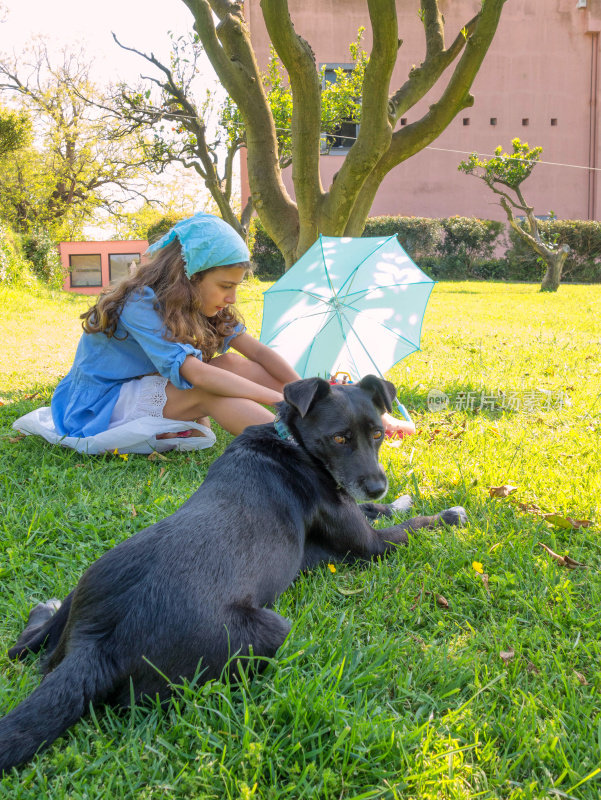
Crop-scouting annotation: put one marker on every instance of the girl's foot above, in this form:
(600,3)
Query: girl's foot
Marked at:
(187,434)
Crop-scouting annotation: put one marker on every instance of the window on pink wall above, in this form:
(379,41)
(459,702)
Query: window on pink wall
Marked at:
(121,265)
(343,138)
(85,270)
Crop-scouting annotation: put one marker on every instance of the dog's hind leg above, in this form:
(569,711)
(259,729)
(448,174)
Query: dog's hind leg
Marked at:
(257,630)
(44,626)
(84,677)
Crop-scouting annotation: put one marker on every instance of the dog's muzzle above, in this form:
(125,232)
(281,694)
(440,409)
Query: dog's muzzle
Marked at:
(373,486)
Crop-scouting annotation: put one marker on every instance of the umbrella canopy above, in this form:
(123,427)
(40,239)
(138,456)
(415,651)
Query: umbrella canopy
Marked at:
(352,305)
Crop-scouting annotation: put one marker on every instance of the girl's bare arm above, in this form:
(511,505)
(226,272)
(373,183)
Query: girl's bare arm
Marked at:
(273,363)
(226,384)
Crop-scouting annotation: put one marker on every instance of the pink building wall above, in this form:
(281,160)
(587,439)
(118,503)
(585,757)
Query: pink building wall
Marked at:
(133,247)
(541,66)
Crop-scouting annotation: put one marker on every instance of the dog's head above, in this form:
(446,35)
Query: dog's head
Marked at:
(341,426)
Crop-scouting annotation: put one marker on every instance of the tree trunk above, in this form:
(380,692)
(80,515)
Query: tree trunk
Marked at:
(552,276)
(343,208)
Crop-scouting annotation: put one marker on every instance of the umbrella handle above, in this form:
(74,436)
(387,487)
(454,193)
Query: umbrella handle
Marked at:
(403,410)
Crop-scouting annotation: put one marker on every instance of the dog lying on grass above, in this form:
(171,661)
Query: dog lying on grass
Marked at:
(197,587)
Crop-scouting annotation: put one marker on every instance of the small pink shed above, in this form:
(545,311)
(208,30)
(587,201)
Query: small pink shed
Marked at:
(92,266)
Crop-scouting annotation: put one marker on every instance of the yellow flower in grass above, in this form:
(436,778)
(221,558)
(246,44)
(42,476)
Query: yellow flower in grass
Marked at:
(478,567)
(332,568)
(124,456)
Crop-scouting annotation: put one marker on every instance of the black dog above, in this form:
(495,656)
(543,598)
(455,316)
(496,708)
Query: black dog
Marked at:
(196,587)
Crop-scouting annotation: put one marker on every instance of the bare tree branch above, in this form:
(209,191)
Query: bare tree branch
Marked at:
(230,52)
(374,138)
(299,60)
(421,79)
(409,140)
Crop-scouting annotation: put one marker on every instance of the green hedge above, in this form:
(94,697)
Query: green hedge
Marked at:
(459,248)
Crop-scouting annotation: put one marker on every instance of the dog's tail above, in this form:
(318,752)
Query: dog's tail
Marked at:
(58,702)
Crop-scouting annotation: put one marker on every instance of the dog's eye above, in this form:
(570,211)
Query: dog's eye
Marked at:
(340,439)
(377,434)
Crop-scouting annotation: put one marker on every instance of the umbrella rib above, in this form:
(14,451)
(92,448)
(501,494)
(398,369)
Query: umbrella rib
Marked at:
(386,286)
(364,348)
(302,291)
(381,324)
(352,275)
(302,316)
(325,324)
(325,266)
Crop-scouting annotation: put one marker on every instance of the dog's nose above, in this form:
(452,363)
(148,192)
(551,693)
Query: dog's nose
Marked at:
(374,486)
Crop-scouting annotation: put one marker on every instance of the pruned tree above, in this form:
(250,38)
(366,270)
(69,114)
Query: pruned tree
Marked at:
(504,174)
(78,162)
(177,123)
(342,208)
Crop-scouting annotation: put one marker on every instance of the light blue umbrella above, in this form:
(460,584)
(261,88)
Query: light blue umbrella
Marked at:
(351,305)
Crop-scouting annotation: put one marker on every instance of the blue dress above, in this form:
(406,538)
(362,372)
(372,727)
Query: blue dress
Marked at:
(84,400)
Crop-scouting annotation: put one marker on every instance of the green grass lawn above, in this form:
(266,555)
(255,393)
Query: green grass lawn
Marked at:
(418,677)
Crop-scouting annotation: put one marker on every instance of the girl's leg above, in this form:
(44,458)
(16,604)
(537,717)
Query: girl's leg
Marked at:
(232,413)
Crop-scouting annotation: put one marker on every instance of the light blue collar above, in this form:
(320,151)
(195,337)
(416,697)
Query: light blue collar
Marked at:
(283,431)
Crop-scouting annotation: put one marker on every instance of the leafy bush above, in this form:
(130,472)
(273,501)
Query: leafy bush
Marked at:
(14,268)
(162,226)
(419,236)
(466,243)
(267,259)
(583,264)
(42,252)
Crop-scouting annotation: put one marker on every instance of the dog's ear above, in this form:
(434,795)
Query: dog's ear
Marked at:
(382,392)
(301,395)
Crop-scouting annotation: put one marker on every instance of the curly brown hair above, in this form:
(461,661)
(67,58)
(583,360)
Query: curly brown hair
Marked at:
(177,303)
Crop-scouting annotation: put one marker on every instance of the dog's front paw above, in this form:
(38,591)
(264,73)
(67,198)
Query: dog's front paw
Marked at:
(375,510)
(454,516)
(402,504)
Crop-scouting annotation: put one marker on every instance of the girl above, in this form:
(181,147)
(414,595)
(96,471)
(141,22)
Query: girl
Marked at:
(155,345)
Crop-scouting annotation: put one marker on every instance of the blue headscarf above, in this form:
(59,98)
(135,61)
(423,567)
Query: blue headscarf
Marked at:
(207,241)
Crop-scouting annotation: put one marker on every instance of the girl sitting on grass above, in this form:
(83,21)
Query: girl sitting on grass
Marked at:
(155,345)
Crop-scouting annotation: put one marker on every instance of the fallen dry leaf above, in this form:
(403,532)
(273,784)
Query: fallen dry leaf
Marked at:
(484,578)
(532,668)
(507,655)
(564,561)
(530,507)
(441,601)
(155,456)
(417,598)
(134,513)
(30,396)
(566,522)
(162,472)
(502,491)
(581,678)
(15,439)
